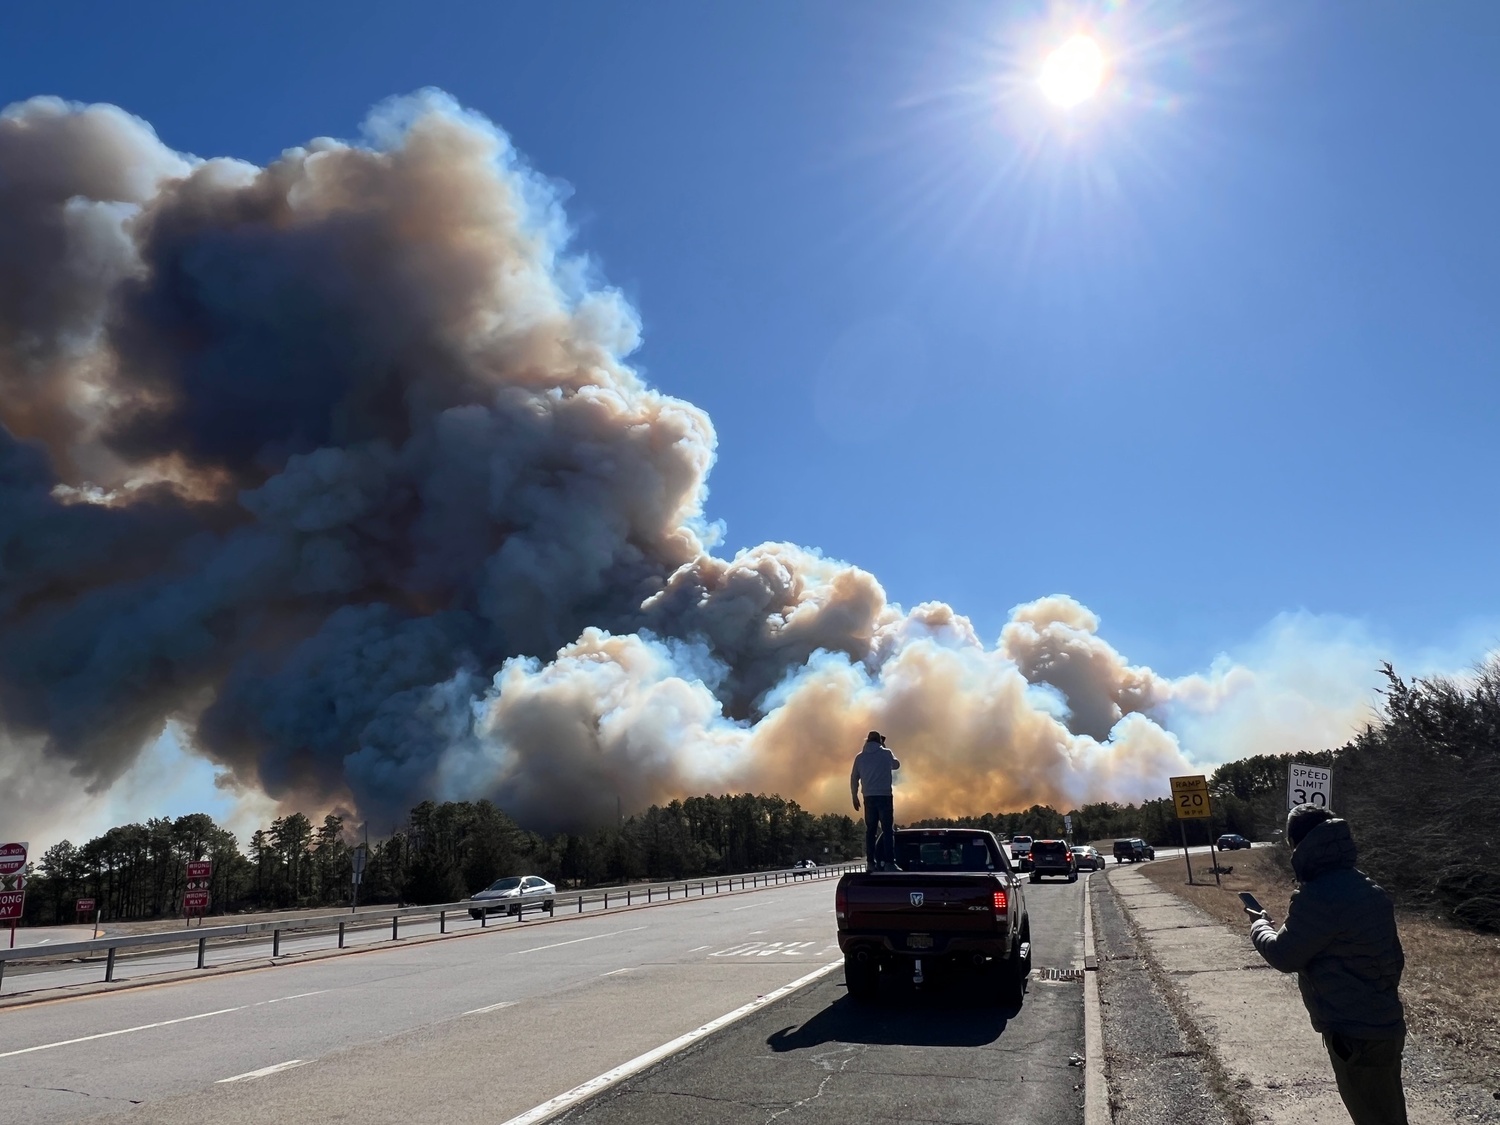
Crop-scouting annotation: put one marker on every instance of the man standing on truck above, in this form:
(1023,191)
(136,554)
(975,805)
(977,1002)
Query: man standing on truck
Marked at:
(1340,939)
(873,766)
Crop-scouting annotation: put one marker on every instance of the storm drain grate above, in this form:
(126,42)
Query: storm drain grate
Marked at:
(1059,974)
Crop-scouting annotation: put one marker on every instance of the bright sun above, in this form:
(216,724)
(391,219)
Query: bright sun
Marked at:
(1073,72)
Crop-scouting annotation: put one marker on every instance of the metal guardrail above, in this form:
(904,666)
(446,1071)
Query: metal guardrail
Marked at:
(623,896)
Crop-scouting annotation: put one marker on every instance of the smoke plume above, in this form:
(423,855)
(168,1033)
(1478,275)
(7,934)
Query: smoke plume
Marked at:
(338,465)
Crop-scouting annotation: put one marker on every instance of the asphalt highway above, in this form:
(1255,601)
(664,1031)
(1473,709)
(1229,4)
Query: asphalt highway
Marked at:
(491,1024)
(365,928)
(930,1055)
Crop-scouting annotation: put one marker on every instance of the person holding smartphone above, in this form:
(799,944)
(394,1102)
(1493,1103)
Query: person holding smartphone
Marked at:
(1340,939)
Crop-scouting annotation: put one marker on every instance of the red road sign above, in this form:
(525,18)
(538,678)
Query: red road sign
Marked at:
(12,880)
(195,900)
(85,906)
(12,858)
(200,869)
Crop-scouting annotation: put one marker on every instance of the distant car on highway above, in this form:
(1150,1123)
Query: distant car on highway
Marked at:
(1133,850)
(1052,857)
(1020,852)
(1232,841)
(514,895)
(1087,857)
(803,866)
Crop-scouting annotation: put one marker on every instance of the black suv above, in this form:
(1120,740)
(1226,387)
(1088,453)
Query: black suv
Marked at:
(1053,857)
(1232,841)
(1133,849)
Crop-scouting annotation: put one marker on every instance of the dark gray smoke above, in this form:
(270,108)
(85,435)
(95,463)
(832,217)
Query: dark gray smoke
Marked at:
(338,463)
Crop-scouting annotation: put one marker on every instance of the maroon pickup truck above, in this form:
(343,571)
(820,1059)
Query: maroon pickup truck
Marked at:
(954,906)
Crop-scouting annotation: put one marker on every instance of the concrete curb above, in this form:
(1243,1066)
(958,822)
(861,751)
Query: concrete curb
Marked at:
(1095,1088)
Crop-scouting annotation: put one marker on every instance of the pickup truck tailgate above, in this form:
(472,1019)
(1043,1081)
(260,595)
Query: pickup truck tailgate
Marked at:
(922,900)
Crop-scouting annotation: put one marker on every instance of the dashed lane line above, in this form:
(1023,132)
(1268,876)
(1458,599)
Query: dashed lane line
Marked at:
(575,941)
(150,1026)
(491,1008)
(265,1070)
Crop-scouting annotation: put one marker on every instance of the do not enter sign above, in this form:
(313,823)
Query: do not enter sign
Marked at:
(12,880)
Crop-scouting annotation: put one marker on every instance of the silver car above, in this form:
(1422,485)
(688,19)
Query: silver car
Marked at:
(514,895)
(1088,857)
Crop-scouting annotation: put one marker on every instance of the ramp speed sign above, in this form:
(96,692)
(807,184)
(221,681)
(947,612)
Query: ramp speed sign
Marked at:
(1190,797)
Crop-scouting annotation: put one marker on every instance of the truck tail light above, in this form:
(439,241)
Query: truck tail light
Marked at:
(1002,903)
(840,902)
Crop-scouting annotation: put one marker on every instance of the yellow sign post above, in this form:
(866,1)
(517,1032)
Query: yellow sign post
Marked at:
(1190,799)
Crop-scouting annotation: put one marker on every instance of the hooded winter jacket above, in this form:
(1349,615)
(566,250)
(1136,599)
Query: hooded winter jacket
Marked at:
(1340,939)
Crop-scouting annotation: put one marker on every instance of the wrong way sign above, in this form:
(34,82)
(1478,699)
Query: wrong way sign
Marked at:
(1308,785)
(12,880)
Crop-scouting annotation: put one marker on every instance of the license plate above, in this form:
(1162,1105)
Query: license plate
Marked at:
(918,941)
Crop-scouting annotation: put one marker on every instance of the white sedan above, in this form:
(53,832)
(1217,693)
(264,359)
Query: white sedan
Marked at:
(513,895)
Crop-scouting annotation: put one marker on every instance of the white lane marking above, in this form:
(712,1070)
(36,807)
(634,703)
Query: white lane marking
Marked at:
(699,948)
(575,941)
(754,933)
(765,949)
(491,1007)
(554,1106)
(149,1026)
(122,1031)
(615,972)
(265,1070)
(753,905)
(297,996)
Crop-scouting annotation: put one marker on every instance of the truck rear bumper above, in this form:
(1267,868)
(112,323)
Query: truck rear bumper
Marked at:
(958,947)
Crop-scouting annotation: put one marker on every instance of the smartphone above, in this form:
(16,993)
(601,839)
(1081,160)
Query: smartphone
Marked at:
(1252,904)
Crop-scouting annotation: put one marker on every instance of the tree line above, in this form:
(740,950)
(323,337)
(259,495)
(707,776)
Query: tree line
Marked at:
(444,852)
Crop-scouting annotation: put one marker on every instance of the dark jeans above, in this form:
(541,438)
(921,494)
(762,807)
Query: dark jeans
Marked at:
(1368,1072)
(880,813)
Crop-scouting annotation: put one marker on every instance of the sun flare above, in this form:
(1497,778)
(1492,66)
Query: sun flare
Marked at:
(1073,73)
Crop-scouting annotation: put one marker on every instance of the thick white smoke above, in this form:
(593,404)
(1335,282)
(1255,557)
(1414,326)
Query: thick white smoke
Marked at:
(338,463)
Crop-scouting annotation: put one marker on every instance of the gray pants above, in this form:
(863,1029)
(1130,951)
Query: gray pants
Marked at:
(1368,1072)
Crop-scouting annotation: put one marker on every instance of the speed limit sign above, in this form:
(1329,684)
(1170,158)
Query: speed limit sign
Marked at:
(1308,785)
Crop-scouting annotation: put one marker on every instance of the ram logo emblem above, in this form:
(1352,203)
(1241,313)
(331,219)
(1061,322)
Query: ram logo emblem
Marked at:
(916,898)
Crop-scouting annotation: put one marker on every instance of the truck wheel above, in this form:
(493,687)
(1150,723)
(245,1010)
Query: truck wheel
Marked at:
(1035,878)
(1008,983)
(1072,876)
(862,979)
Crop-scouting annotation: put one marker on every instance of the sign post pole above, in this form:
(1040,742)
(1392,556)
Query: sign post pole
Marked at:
(357,859)
(1187,859)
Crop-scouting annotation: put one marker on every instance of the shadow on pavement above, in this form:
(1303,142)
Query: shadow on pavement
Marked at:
(903,1018)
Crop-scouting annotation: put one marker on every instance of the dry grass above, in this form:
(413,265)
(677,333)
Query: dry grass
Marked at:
(1451,987)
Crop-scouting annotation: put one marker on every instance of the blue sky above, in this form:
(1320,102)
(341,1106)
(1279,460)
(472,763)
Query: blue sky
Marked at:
(1220,347)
